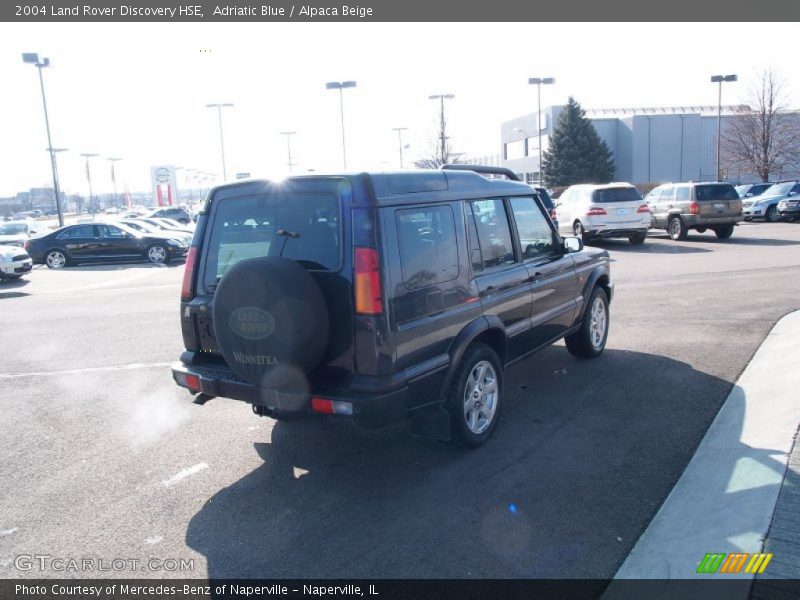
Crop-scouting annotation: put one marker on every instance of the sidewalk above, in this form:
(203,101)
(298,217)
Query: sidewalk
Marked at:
(726,498)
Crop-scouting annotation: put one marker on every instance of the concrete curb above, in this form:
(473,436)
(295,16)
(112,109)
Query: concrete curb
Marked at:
(725,499)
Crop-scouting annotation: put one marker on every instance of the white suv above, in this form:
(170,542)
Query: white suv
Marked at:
(603,211)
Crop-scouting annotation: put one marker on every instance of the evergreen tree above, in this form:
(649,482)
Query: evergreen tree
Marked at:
(576,153)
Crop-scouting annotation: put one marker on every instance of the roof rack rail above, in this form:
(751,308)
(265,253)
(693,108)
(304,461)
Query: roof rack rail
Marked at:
(482,169)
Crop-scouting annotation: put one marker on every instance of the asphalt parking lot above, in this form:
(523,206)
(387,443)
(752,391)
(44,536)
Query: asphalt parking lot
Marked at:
(104,457)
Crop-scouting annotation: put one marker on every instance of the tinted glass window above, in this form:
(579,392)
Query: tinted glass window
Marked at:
(108,231)
(428,247)
(620,194)
(80,231)
(716,192)
(535,234)
(682,193)
(301,226)
(667,193)
(494,234)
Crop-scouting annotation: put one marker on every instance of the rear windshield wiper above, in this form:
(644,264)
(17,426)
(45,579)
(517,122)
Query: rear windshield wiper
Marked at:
(286,235)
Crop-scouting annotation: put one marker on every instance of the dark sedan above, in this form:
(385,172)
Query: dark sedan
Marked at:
(100,242)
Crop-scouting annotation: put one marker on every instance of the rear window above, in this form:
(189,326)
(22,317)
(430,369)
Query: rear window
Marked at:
(302,226)
(621,194)
(716,192)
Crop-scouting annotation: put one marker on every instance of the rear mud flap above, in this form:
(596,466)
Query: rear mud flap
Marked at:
(432,422)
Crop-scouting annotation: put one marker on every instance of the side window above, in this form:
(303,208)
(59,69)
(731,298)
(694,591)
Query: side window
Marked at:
(494,233)
(653,195)
(535,234)
(428,246)
(109,231)
(682,193)
(82,231)
(667,193)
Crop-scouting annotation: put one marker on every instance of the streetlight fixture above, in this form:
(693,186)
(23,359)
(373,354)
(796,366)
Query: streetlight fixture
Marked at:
(219,108)
(87,156)
(114,181)
(539,82)
(289,135)
(719,79)
(33,59)
(340,85)
(443,137)
(400,131)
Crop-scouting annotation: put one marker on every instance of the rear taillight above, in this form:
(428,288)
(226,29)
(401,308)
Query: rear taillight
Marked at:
(596,211)
(694,208)
(188,272)
(643,209)
(553,214)
(367,280)
(27,245)
(331,407)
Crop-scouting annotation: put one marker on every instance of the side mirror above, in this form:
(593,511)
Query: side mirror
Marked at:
(792,193)
(572,244)
(748,195)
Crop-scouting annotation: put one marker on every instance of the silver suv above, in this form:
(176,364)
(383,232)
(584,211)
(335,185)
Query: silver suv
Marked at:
(679,207)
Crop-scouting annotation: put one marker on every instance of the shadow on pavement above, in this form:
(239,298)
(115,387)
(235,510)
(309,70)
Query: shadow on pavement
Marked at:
(579,465)
(648,248)
(117,266)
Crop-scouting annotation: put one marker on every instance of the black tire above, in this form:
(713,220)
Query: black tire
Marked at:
(748,219)
(473,427)
(56,259)
(157,254)
(585,343)
(677,229)
(637,239)
(271,322)
(772,215)
(579,232)
(724,231)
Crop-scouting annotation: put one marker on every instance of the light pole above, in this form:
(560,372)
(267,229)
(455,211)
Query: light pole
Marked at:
(87,156)
(289,135)
(219,108)
(443,137)
(539,82)
(400,131)
(55,163)
(340,85)
(33,58)
(114,181)
(719,79)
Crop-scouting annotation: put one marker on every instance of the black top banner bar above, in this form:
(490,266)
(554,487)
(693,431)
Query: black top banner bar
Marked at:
(199,11)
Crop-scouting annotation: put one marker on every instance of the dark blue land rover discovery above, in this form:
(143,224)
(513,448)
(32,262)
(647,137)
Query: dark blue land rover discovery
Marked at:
(382,296)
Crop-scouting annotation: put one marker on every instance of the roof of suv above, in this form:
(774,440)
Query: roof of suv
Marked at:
(400,187)
(604,186)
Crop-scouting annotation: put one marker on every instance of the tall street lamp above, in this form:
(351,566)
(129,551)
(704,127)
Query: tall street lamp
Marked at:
(341,85)
(400,131)
(55,151)
(539,82)
(289,135)
(219,108)
(442,135)
(719,79)
(87,156)
(114,180)
(33,58)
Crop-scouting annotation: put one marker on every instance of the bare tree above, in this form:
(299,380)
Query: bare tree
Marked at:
(435,158)
(763,137)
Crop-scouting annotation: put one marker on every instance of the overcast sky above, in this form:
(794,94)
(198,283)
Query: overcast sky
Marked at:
(138,91)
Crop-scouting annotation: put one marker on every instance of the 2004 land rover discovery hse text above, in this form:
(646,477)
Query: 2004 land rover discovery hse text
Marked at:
(382,296)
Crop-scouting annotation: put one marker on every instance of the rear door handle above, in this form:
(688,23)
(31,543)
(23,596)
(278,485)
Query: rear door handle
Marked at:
(535,277)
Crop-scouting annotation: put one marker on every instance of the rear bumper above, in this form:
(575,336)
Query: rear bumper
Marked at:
(700,221)
(616,233)
(369,409)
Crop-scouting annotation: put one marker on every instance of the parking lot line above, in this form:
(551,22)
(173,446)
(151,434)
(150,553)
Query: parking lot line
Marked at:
(725,499)
(128,367)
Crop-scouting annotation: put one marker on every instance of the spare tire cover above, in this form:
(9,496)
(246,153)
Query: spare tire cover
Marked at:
(270,318)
